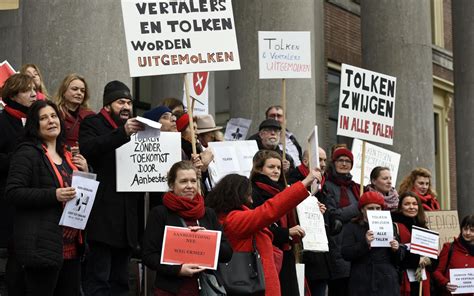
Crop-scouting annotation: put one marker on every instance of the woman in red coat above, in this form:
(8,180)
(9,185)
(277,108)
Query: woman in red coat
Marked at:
(231,198)
(462,256)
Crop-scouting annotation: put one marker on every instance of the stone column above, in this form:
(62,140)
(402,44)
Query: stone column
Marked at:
(396,40)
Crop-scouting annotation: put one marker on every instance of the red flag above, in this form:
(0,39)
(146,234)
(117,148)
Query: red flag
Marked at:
(6,70)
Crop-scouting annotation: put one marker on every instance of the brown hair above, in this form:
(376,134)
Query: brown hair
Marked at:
(420,217)
(15,84)
(259,161)
(409,181)
(42,87)
(179,166)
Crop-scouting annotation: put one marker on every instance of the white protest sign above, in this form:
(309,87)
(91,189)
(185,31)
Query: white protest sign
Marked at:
(237,129)
(366,105)
(374,156)
(170,37)
(76,211)
(312,221)
(199,90)
(380,222)
(284,55)
(424,242)
(463,278)
(142,164)
(300,277)
(314,147)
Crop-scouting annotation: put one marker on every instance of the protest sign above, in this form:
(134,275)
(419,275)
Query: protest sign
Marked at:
(181,245)
(300,277)
(237,129)
(142,164)
(170,37)
(6,70)
(374,156)
(76,211)
(366,105)
(313,148)
(464,279)
(380,222)
(284,55)
(312,221)
(444,222)
(424,242)
(199,91)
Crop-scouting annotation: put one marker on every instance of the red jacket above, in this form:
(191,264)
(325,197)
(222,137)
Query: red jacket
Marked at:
(72,125)
(460,258)
(241,225)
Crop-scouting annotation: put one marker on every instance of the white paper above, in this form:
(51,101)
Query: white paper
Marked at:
(300,276)
(237,129)
(198,85)
(412,277)
(380,222)
(152,128)
(463,278)
(312,221)
(424,242)
(314,155)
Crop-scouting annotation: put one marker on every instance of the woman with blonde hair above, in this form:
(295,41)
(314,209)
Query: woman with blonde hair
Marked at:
(419,182)
(34,72)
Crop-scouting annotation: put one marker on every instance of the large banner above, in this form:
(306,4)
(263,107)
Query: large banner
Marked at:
(366,105)
(142,164)
(284,55)
(444,222)
(169,37)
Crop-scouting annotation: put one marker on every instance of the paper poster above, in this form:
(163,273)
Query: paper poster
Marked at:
(312,222)
(181,245)
(198,85)
(464,279)
(380,222)
(314,148)
(237,129)
(300,276)
(366,105)
(424,242)
(444,222)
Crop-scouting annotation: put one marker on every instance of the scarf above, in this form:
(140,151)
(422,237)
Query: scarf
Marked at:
(185,207)
(15,109)
(391,198)
(428,201)
(468,246)
(345,183)
(108,118)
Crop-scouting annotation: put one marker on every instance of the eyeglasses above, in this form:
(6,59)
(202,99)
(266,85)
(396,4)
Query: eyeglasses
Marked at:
(344,161)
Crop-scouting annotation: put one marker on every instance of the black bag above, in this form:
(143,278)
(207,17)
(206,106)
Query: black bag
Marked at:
(209,285)
(243,275)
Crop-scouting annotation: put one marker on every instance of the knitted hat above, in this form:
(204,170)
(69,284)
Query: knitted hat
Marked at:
(342,152)
(156,113)
(371,197)
(115,90)
(205,124)
(182,122)
(269,123)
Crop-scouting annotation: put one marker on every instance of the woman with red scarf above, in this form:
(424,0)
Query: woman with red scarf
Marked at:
(419,182)
(182,203)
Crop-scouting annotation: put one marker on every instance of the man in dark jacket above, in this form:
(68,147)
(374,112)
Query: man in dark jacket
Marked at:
(113,224)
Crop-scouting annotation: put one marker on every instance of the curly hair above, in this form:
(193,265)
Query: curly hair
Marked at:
(408,182)
(230,194)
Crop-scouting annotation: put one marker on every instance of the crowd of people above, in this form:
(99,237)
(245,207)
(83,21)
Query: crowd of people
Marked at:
(44,139)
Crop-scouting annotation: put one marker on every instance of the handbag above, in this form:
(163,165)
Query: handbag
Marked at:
(243,275)
(209,285)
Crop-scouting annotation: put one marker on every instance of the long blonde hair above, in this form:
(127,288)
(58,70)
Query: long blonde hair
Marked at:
(42,87)
(59,96)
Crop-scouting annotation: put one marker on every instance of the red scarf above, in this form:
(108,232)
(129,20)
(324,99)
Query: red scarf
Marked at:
(185,207)
(68,158)
(108,118)
(345,185)
(15,113)
(428,201)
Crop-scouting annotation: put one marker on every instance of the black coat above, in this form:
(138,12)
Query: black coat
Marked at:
(374,271)
(31,188)
(167,275)
(113,220)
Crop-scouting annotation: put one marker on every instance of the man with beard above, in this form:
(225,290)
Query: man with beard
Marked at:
(112,229)
(269,137)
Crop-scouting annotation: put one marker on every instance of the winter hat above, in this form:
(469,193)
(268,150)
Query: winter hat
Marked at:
(156,113)
(371,197)
(269,123)
(342,152)
(115,90)
(182,122)
(205,124)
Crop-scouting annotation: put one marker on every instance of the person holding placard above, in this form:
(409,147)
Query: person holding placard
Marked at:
(456,254)
(38,185)
(381,181)
(182,204)
(34,72)
(419,182)
(410,213)
(374,271)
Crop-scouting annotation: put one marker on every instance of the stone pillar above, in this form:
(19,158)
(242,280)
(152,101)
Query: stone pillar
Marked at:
(10,30)
(396,40)
(463,47)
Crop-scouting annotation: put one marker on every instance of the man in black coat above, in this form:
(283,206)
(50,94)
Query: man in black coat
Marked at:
(112,229)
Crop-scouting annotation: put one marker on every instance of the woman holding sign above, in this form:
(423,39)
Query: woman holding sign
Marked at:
(38,187)
(183,204)
(419,182)
(457,254)
(373,270)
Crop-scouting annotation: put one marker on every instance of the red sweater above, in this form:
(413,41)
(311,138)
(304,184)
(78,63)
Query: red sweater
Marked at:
(241,225)
(460,258)
(72,125)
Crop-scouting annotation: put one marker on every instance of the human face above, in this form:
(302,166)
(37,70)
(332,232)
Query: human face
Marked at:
(276,114)
(422,184)
(322,159)
(272,169)
(30,71)
(185,184)
(270,137)
(49,125)
(168,122)
(343,165)
(205,138)
(468,234)
(121,109)
(383,183)
(370,207)
(75,93)
(410,207)
(26,98)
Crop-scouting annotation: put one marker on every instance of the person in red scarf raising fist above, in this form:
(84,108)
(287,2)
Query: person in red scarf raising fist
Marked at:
(419,182)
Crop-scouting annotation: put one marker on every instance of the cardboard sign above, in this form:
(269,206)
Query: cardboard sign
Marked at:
(284,55)
(199,90)
(444,222)
(170,37)
(374,156)
(366,105)
(312,222)
(463,278)
(142,164)
(181,245)
(424,242)
(6,70)
(237,129)
(380,222)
